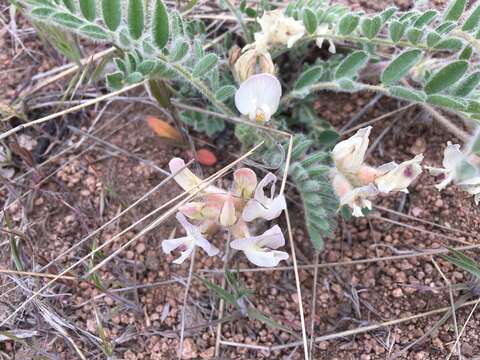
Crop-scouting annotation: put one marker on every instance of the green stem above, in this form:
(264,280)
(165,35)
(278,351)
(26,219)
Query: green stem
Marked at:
(238,15)
(377,41)
(331,85)
(469,38)
(198,84)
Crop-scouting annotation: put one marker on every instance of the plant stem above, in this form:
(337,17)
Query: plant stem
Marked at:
(238,15)
(198,84)
(331,85)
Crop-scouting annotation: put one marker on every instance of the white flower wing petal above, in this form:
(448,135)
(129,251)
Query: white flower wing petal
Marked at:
(265,258)
(272,238)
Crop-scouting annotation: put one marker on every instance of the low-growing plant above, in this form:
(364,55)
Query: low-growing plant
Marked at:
(424,57)
(260,79)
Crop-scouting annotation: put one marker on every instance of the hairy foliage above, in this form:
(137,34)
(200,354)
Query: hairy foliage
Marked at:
(424,56)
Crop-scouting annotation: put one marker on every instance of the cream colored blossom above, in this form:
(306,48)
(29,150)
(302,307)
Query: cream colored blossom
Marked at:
(187,243)
(260,250)
(401,176)
(348,155)
(259,97)
(278,30)
(253,62)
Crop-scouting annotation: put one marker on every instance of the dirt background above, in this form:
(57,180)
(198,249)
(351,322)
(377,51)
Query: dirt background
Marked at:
(79,190)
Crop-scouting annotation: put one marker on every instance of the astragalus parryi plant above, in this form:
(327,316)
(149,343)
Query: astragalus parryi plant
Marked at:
(263,73)
(421,56)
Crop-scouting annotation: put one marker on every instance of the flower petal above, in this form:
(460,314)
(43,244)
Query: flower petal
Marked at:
(272,238)
(192,210)
(194,232)
(265,258)
(171,244)
(227,214)
(184,255)
(183,176)
(245,181)
(400,177)
(356,199)
(349,154)
(259,92)
(452,156)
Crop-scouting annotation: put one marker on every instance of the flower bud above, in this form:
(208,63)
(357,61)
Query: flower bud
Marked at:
(252,62)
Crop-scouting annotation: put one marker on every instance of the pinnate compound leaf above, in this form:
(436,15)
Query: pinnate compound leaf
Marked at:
(450,43)
(68,20)
(467,85)
(94,31)
(309,77)
(225,92)
(396,30)
(473,20)
(115,80)
(371,26)
(446,101)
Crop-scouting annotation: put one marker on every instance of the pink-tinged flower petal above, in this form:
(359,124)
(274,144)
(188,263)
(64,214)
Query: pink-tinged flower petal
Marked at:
(367,174)
(182,175)
(227,215)
(349,154)
(341,185)
(245,181)
(259,97)
(192,210)
(401,176)
(258,249)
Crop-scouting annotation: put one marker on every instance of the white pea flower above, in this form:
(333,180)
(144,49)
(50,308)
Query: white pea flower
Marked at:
(324,29)
(355,198)
(188,243)
(455,167)
(259,97)
(262,206)
(259,250)
(401,176)
(278,29)
(349,154)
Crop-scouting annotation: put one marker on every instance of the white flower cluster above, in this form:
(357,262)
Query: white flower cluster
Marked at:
(356,182)
(229,210)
